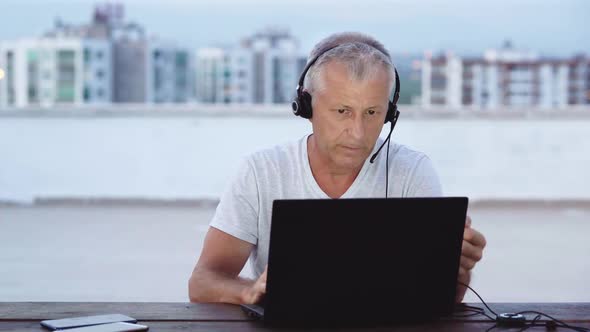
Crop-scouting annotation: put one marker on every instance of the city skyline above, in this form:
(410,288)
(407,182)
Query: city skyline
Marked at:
(113,58)
(459,26)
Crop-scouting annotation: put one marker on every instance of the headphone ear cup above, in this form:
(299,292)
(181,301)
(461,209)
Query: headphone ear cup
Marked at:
(296,106)
(391,108)
(305,110)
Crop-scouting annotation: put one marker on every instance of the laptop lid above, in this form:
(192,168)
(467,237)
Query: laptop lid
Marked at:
(363,261)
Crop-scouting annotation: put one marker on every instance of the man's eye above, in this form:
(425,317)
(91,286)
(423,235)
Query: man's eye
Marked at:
(371,112)
(341,111)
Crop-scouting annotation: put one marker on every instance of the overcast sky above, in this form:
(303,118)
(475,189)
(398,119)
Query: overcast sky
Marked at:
(551,27)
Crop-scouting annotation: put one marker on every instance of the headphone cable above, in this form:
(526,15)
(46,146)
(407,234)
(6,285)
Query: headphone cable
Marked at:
(552,323)
(387,140)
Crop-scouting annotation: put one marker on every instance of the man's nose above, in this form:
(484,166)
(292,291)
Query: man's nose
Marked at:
(357,127)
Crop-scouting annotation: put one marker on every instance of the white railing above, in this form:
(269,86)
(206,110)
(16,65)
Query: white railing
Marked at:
(282,110)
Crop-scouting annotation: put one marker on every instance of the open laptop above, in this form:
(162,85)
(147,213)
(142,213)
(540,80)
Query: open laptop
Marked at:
(361,262)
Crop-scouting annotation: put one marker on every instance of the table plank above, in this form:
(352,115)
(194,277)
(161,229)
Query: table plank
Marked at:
(227,312)
(137,310)
(31,326)
(25,316)
(572,312)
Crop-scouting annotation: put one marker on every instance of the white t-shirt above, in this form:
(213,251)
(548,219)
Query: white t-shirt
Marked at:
(283,172)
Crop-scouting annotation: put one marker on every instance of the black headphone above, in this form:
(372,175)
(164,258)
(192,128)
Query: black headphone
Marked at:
(302,103)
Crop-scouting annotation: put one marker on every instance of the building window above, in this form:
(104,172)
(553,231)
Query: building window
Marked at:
(33,76)
(10,77)
(158,78)
(259,79)
(181,60)
(65,76)
(99,93)
(276,78)
(99,54)
(86,55)
(100,74)
(86,93)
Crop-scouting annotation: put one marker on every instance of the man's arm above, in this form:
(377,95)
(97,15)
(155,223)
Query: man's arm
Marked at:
(232,235)
(215,277)
(425,183)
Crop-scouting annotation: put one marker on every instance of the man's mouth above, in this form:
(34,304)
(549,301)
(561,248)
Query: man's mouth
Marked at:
(352,148)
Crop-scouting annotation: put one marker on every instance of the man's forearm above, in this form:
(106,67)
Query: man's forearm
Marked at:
(208,286)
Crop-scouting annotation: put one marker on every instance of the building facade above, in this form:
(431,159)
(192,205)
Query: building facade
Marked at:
(505,78)
(262,69)
(52,71)
(106,61)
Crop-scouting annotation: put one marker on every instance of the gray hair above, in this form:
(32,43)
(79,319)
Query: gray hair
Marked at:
(363,55)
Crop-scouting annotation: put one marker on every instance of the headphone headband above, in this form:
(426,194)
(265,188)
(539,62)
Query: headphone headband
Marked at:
(302,103)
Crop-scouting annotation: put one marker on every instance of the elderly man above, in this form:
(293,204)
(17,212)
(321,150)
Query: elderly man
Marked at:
(349,85)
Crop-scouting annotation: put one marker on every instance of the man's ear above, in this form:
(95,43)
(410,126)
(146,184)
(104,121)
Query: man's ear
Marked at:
(311,105)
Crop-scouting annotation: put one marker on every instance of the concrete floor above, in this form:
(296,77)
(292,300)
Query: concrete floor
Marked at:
(146,253)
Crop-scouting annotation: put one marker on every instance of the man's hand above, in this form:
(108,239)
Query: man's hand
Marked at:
(255,293)
(471,252)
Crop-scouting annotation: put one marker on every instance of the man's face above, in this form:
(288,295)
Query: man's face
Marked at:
(348,115)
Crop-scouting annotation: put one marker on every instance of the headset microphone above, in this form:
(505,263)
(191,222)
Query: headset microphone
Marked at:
(394,120)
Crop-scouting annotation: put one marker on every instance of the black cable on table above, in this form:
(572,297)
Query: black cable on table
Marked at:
(551,324)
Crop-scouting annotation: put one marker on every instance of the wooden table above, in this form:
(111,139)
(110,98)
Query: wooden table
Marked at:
(25,316)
